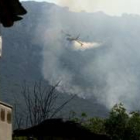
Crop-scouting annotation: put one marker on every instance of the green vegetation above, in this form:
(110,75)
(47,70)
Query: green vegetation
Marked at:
(20,138)
(120,124)
(96,125)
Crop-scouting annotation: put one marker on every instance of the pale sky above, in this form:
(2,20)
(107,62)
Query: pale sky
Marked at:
(111,7)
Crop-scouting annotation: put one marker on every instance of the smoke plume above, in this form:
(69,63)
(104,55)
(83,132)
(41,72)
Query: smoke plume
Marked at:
(0,46)
(85,45)
(106,66)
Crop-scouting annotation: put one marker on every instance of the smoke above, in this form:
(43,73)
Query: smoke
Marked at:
(106,66)
(85,45)
(0,46)
(108,6)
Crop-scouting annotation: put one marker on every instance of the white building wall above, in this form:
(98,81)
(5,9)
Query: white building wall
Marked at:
(5,125)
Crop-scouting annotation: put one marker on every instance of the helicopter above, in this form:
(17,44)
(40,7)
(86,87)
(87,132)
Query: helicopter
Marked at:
(71,38)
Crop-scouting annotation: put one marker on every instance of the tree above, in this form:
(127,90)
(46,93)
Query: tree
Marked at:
(120,125)
(39,104)
(82,118)
(133,126)
(116,124)
(96,125)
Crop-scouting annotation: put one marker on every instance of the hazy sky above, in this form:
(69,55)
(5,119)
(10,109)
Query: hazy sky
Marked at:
(112,7)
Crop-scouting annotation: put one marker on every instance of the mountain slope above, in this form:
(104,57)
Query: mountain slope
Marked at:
(22,59)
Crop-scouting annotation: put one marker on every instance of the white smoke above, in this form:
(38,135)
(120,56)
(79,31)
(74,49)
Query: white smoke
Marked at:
(108,71)
(110,7)
(85,45)
(0,46)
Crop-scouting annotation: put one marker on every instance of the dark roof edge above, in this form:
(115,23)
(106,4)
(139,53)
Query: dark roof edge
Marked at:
(5,104)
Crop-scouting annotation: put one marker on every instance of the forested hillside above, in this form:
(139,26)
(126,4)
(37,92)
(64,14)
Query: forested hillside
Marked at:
(22,61)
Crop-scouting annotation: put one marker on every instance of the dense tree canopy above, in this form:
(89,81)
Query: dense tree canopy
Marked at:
(120,124)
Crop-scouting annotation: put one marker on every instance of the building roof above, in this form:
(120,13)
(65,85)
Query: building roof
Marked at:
(5,104)
(10,11)
(59,128)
